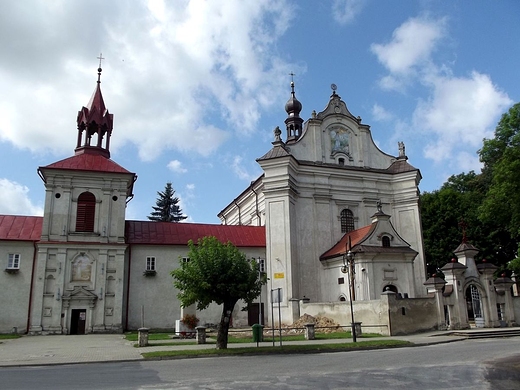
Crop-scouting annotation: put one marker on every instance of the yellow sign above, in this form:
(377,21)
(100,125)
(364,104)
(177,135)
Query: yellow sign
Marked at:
(279,275)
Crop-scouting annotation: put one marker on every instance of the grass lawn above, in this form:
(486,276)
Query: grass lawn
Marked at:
(237,338)
(286,349)
(9,336)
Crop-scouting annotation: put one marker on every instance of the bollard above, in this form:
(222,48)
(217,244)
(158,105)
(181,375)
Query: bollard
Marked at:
(142,337)
(357,327)
(310,333)
(201,334)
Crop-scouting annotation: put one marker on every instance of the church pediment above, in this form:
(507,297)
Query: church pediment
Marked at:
(80,293)
(336,106)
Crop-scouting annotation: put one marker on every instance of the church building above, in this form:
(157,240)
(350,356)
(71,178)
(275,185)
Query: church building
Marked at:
(326,184)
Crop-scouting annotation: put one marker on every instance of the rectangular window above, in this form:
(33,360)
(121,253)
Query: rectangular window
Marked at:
(185,259)
(150,263)
(14,261)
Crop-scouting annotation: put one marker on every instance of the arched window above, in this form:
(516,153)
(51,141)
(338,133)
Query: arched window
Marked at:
(386,241)
(390,287)
(86,212)
(347,221)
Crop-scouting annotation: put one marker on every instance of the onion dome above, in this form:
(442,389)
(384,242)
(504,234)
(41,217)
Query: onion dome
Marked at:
(293,123)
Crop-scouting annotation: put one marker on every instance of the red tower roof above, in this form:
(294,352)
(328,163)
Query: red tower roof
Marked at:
(94,119)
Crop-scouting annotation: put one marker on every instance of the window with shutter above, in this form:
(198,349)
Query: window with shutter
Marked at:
(86,212)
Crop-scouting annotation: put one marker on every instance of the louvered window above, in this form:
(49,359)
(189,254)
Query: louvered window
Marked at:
(86,212)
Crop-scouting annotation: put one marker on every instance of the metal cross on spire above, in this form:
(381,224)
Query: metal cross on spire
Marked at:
(100,58)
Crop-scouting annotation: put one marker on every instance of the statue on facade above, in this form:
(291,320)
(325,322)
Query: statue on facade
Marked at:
(401,149)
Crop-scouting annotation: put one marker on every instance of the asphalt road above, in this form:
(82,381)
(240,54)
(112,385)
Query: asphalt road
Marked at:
(471,364)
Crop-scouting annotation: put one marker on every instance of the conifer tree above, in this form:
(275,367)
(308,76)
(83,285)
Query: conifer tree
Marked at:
(167,209)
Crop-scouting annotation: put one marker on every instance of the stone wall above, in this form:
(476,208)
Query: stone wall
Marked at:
(387,316)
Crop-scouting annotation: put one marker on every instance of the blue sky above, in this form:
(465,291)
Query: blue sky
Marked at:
(197,87)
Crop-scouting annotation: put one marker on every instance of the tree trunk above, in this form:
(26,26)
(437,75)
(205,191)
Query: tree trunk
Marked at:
(223,328)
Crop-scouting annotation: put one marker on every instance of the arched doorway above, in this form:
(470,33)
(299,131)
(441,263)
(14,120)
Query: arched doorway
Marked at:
(474,306)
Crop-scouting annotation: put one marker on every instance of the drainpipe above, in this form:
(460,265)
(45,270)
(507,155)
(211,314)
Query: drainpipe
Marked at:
(128,285)
(256,204)
(31,288)
(239,214)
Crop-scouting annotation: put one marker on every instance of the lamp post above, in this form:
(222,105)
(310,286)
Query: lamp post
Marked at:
(348,267)
(260,296)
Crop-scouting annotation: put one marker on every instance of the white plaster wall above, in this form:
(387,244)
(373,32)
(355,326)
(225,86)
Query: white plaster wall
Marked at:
(371,314)
(60,212)
(387,316)
(14,305)
(157,296)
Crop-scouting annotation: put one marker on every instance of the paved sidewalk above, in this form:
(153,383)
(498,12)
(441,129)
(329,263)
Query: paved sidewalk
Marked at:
(46,350)
(43,350)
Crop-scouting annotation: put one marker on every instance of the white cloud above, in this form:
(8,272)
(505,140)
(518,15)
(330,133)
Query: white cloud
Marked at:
(411,46)
(344,11)
(381,114)
(240,170)
(14,199)
(176,166)
(176,66)
(461,112)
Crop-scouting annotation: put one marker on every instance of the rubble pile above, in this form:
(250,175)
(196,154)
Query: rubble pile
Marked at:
(322,325)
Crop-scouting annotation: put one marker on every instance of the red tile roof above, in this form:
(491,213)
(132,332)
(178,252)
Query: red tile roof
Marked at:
(168,233)
(88,162)
(356,236)
(20,228)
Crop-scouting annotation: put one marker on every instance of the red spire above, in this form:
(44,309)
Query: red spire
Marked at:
(94,119)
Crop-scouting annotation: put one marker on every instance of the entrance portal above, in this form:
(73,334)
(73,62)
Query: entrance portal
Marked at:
(78,320)
(253,315)
(474,306)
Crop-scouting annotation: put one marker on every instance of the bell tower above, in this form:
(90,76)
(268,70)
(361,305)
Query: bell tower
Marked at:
(81,254)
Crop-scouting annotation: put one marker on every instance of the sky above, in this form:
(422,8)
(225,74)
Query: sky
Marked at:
(197,87)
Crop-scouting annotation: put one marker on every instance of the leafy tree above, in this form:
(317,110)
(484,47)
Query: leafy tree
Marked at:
(488,202)
(501,158)
(219,273)
(167,209)
(442,212)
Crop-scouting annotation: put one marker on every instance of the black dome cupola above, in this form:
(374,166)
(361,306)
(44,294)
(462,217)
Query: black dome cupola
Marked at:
(293,122)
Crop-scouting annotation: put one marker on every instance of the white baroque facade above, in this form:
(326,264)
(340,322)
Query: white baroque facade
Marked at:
(328,173)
